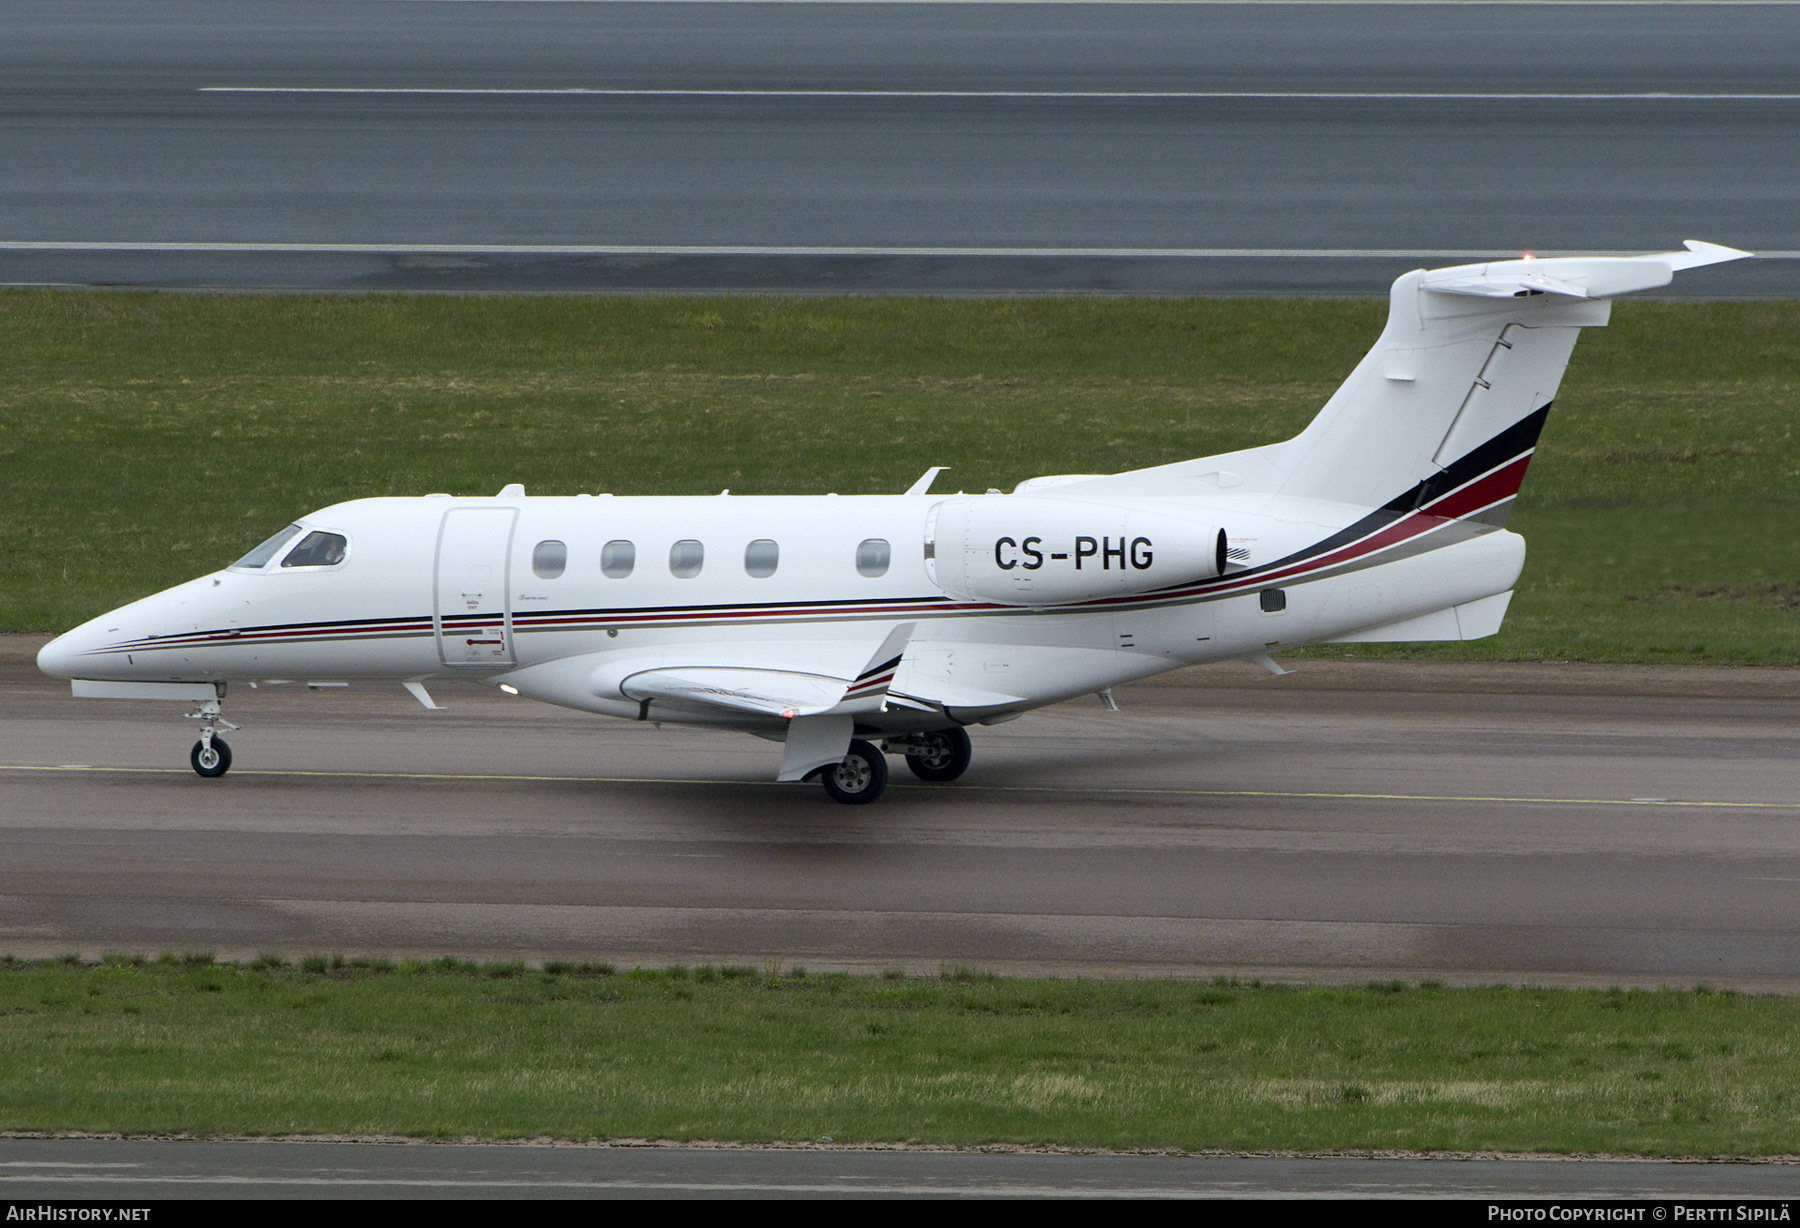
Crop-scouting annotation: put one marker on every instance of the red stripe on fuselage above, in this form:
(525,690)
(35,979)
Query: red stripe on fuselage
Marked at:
(1495,486)
(1484,491)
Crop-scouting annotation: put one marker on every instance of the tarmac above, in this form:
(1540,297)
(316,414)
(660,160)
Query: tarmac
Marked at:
(1354,820)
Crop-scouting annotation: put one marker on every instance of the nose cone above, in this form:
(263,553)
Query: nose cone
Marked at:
(97,648)
(59,658)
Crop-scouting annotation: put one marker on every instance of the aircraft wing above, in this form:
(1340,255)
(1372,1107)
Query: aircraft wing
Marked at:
(769,692)
(789,684)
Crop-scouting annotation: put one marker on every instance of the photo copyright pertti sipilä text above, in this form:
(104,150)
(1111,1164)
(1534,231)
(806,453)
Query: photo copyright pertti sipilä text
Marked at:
(1681,1213)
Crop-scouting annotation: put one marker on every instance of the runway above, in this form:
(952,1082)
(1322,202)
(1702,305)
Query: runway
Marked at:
(941,148)
(111,1169)
(1554,824)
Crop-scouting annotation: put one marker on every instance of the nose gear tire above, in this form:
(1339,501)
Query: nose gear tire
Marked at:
(860,778)
(209,761)
(940,756)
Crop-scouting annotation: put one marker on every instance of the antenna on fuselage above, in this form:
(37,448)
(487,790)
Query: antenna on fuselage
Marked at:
(923,485)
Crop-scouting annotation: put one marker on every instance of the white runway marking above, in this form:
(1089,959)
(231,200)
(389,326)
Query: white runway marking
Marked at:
(1074,95)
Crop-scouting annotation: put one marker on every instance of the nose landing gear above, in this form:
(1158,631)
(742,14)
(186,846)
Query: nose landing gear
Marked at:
(211,755)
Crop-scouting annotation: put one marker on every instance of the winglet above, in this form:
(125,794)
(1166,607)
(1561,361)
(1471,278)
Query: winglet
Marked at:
(869,692)
(923,485)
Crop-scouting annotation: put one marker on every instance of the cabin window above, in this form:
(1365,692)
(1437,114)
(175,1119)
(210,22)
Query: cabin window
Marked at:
(617,559)
(548,560)
(260,556)
(317,549)
(872,557)
(686,558)
(1273,600)
(761,558)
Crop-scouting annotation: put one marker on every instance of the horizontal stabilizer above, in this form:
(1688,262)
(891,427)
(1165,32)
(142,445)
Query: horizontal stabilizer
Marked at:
(1700,253)
(1574,276)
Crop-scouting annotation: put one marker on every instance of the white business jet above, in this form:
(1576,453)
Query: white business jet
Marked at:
(849,628)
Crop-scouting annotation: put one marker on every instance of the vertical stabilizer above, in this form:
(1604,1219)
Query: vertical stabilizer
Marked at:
(1463,375)
(1457,388)
(1450,373)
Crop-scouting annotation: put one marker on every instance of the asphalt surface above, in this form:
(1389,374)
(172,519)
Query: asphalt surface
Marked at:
(129,1169)
(1169,148)
(1470,823)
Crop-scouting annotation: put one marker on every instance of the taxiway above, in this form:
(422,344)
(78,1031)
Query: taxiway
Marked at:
(1557,824)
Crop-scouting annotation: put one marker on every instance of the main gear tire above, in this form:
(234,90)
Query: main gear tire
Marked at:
(860,778)
(940,756)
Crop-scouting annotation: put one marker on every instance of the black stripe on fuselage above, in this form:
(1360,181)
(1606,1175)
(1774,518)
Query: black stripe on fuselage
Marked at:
(650,611)
(1516,440)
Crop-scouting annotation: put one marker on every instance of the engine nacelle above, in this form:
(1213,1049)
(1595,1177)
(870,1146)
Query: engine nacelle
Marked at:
(1037,550)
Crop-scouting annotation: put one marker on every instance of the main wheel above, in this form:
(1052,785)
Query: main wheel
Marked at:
(940,756)
(214,760)
(860,778)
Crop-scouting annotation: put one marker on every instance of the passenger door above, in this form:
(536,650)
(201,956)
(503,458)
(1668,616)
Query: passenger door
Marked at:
(473,613)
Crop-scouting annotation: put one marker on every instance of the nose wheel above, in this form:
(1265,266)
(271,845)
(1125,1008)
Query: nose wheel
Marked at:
(211,756)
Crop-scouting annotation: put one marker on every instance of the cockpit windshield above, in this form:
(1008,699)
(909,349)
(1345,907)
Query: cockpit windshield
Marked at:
(317,549)
(260,556)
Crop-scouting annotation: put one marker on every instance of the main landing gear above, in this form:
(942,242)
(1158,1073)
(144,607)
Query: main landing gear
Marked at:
(939,757)
(860,778)
(211,755)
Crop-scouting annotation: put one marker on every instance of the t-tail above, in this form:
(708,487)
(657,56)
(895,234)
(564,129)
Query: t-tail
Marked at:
(1449,402)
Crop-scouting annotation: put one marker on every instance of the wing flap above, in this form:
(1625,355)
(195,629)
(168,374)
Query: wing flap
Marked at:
(944,696)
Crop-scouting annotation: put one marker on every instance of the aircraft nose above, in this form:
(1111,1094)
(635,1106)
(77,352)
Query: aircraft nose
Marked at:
(57,658)
(73,654)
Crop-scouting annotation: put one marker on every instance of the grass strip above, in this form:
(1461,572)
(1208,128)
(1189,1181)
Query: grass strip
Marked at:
(148,438)
(452,1049)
